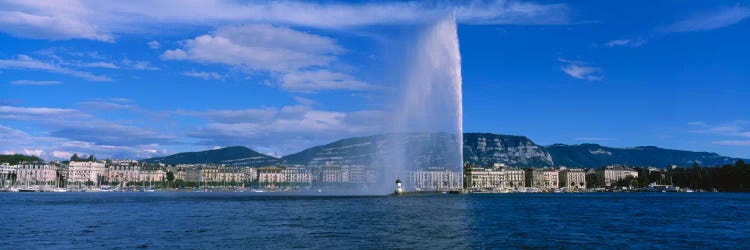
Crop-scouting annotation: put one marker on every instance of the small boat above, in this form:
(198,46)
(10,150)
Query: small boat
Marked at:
(27,189)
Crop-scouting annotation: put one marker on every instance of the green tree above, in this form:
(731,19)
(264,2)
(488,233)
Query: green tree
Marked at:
(170,177)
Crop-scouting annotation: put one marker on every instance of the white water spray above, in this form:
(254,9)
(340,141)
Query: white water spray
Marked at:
(429,109)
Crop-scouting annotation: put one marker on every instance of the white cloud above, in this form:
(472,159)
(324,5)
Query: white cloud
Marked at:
(738,128)
(64,19)
(153,44)
(580,70)
(34,82)
(26,113)
(733,133)
(106,105)
(68,130)
(710,20)
(10,134)
(285,129)
(299,60)
(62,154)
(28,63)
(733,142)
(109,133)
(316,80)
(626,42)
(35,152)
(98,20)
(304,101)
(511,12)
(205,75)
(258,48)
(106,65)
(138,65)
(54,148)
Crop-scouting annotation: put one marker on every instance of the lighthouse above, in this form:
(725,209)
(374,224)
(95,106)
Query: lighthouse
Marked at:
(399,189)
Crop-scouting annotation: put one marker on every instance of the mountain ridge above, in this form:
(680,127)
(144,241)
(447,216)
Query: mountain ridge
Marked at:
(233,155)
(479,149)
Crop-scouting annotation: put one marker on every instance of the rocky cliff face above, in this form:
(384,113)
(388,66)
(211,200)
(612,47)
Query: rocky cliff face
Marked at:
(427,150)
(419,149)
(485,149)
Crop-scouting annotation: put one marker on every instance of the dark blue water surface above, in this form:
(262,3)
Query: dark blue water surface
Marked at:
(245,220)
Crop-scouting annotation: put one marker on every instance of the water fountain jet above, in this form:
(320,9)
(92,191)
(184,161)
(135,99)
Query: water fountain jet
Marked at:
(425,143)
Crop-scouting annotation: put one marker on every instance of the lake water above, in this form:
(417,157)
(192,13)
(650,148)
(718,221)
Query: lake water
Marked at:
(245,220)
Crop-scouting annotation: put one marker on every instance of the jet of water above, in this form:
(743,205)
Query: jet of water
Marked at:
(427,127)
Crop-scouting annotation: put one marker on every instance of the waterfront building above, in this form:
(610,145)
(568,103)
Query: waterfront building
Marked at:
(534,178)
(192,173)
(573,178)
(179,173)
(85,172)
(435,179)
(332,174)
(542,178)
(8,174)
(210,174)
(230,174)
(35,173)
(213,174)
(359,174)
(483,179)
(123,172)
(251,174)
(513,178)
(297,174)
(270,175)
(152,174)
(609,175)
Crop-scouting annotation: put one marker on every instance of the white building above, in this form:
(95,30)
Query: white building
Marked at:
(7,174)
(573,178)
(494,179)
(434,180)
(297,175)
(35,173)
(152,175)
(270,175)
(251,174)
(483,179)
(609,175)
(123,172)
(332,174)
(542,178)
(513,178)
(213,174)
(81,172)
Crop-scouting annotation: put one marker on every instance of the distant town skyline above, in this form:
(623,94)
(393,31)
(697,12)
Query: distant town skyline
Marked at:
(152,78)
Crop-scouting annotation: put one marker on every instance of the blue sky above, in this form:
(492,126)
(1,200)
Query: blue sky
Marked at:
(148,78)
